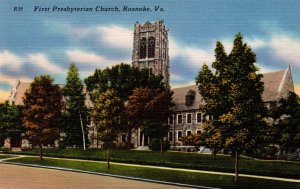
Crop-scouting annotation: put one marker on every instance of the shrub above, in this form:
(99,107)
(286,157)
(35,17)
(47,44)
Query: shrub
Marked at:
(155,145)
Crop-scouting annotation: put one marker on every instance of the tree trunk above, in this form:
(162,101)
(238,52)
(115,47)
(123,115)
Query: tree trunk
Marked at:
(236,166)
(129,132)
(107,157)
(161,140)
(40,152)
(161,145)
(214,152)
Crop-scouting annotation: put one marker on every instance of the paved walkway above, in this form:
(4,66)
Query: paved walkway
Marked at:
(22,177)
(169,168)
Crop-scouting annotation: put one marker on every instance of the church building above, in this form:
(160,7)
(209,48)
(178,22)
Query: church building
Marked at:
(151,50)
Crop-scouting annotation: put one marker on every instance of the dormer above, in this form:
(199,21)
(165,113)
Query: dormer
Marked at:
(190,98)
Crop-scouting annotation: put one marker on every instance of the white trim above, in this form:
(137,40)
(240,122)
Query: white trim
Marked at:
(172,117)
(282,81)
(187,118)
(200,117)
(177,134)
(198,130)
(186,132)
(181,118)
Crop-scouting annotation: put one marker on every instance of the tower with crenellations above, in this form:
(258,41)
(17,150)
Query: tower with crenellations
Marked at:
(151,48)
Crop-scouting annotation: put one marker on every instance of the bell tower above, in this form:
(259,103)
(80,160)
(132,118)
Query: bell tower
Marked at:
(151,48)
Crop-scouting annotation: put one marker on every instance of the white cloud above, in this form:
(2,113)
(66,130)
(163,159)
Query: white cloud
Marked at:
(41,61)
(193,57)
(9,59)
(286,48)
(90,58)
(116,36)
(176,77)
(109,35)
(256,43)
(177,85)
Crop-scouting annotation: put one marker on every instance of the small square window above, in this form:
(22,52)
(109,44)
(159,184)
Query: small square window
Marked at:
(188,132)
(198,132)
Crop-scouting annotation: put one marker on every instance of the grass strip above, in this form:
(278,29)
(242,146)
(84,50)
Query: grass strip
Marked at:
(200,179)
(5,156)
(181,160)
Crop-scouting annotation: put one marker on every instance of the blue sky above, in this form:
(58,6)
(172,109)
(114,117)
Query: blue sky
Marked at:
(38,42)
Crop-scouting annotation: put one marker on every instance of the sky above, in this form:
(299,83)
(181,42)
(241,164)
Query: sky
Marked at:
(34,41)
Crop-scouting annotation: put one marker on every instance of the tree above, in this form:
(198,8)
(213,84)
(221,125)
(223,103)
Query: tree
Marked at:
(287,123)
(233,96)
(150,108)
(74,126)
(107,117)
(123,79)
(10,122)
(42,112)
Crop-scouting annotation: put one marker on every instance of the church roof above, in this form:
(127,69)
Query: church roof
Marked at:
(272,82)
(274,89)
(18,92)
(277,85)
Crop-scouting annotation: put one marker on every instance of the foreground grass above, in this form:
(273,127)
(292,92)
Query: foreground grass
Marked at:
(181,160)
(200,179)
(5,156)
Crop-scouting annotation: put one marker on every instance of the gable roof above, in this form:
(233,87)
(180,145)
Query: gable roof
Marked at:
(276,85)
(272,82)
(18,92)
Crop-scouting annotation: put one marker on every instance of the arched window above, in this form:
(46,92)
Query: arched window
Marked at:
(143,48)
(151,47)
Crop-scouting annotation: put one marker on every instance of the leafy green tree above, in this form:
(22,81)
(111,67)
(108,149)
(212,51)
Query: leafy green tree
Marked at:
(150,108)
(287,124)
(75,122)
(10,122)
(123,78)
(233,96)
(42,112)
(107,117)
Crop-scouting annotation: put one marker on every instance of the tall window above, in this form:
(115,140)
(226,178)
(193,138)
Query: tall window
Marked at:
(179,135)
(151,47)
(143,48)
(179,118)
(199,117)
(188,118)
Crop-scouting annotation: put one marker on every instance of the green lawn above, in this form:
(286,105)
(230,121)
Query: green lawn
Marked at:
(5,156)
(164,175)
(182,160)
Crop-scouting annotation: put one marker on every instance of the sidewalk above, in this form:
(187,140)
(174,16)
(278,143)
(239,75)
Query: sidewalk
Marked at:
(167,168)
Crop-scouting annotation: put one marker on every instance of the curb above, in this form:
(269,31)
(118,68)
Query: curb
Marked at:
(110,175)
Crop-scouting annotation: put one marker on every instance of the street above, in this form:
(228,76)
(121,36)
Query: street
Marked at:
(22,177)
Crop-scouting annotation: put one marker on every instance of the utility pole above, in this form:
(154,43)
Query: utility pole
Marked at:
(83,137)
